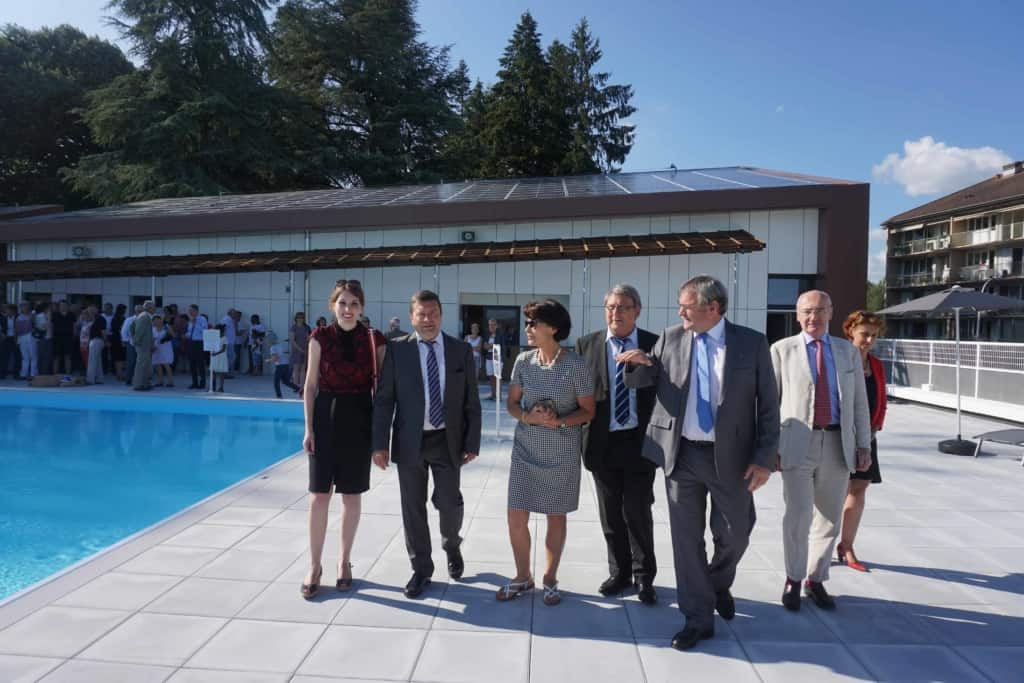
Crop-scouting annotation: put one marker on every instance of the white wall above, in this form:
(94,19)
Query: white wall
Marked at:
(791,237)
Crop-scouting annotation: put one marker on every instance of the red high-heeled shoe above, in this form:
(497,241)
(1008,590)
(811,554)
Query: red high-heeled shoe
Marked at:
(855,564)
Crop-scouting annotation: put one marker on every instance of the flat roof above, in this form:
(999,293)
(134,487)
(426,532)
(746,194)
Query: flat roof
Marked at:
(471,201)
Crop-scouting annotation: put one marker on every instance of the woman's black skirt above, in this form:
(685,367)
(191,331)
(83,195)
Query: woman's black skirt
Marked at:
(342,443)
(872,474)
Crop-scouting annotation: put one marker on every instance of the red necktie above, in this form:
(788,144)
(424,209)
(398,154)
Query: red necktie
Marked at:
(822,399)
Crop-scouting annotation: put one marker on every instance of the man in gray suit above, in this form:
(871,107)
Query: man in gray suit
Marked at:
(427,402)
(142,340)
(714,430)
(826,434)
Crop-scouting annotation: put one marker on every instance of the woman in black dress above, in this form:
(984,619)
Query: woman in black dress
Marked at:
(343,364)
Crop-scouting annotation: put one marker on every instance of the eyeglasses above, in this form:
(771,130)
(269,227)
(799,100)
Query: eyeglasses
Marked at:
(611,308)
(531,323)
(342,283)
(814,311)
(692,307)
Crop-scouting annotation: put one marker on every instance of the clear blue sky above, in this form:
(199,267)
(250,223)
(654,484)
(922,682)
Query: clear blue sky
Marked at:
(919,98)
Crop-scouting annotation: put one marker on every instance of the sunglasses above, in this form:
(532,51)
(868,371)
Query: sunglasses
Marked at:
(342,283)
(532,323)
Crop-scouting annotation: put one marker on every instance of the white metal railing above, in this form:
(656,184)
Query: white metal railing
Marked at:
(999,233)
(977,273)
(999,357)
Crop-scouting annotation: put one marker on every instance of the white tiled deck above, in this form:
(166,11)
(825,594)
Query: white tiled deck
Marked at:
(212,595)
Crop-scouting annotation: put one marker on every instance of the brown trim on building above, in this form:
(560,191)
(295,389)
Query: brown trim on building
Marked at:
(722,242)
(10,213)
(454,213)
(842,237)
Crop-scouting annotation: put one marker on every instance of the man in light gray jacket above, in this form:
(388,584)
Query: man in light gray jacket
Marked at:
(826,434)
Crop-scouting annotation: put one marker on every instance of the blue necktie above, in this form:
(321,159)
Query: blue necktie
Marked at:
(705,417)
(621,392)
(434,384)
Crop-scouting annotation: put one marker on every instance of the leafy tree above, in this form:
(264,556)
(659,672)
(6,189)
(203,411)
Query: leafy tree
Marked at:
(44,78)
(199,117)
(386,98)
(876,295)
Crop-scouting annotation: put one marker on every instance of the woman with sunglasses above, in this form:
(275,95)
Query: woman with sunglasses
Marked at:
(344,362)
(552,396)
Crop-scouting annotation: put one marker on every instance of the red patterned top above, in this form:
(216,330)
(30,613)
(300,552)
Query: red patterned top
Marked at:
(346,358)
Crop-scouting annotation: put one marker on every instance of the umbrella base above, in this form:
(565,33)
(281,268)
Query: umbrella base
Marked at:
(957,447)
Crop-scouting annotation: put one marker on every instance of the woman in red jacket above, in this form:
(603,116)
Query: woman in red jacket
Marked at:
(862,329)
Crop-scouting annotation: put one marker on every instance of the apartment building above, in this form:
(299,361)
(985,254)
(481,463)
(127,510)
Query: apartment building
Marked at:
(973,237)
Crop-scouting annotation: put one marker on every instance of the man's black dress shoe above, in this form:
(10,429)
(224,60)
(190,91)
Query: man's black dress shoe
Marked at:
(614,585)
(690,636)
(416,585)
(725,605)
(791,596)
(817,593)
(645,591)
(456,565)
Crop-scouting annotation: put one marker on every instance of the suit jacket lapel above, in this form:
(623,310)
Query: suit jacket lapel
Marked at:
(452,360)
(684,359)
(600,351)
(803,362)
(412,365)
(732,353)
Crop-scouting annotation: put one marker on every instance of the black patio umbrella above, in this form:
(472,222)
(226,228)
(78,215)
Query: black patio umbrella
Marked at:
(954,299)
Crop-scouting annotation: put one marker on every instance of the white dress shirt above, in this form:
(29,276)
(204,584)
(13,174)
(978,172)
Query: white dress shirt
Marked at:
(439,354)
(229,330)
(715,341)
(126,330)
(611,350)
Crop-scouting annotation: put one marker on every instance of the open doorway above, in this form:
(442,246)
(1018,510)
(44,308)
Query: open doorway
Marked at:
(508,318)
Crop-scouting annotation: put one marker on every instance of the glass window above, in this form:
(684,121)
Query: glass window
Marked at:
(783,290)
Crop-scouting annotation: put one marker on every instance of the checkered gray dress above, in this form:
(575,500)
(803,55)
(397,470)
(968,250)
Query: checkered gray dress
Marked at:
(545,471)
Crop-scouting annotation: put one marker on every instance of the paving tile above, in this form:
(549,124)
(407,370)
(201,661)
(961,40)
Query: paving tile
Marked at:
(167,639)
(210,536)
(580,616)
(387,606)
(81,671)
(788,662)
(207,597)
(912,663)
(717,659)
(474,608)
(242,516)
(20,669)
(971,625)
(261,646)
(266,539)
(553,660)
(171,560)
(756,621)
(282,602)
(119,590)
(360,652)
(998,663)
(58,631)
(877,622)
(214,676)
(247,565)
(464,657)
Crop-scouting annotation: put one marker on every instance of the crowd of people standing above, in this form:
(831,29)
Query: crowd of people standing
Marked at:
(709,402)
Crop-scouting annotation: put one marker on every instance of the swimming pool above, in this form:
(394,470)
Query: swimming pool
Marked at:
(74,481)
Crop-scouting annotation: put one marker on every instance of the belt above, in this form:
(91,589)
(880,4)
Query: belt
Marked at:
(432,432)
(699,444)
(826,428)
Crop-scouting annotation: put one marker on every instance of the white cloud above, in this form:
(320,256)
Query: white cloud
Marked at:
(930,167)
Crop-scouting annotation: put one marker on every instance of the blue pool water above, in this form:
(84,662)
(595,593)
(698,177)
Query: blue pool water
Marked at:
(74,481)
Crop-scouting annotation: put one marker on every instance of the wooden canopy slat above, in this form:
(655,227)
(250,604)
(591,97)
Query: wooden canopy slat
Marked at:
(727,242)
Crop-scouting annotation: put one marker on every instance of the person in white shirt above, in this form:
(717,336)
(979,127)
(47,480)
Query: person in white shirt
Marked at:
(257,335)
(230,333)
(281,356)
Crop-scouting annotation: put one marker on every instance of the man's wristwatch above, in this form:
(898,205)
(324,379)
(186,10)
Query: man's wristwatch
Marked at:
(562,425)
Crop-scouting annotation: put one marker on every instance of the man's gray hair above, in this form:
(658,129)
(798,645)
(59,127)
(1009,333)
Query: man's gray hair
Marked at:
(707,289)
(148,305)
(622,289)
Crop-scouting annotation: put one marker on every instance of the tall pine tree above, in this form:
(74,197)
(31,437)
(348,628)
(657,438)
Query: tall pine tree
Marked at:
(199,117)
(386,98)
(523,132)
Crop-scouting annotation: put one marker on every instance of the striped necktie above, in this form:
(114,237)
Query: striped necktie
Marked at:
(434,385)
(621,392)
(822,397)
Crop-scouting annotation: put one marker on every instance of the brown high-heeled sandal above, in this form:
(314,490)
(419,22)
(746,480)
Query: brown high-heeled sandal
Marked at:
(344,584)
(309,590)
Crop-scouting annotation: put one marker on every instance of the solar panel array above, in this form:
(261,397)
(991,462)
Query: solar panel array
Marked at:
(568,187)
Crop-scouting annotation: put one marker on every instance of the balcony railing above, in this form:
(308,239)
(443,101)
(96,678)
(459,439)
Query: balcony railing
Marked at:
(977,273)
(916,280)
(1000,233)
(920,246)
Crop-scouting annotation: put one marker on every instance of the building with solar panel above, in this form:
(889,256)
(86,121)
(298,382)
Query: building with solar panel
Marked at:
(486,247)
